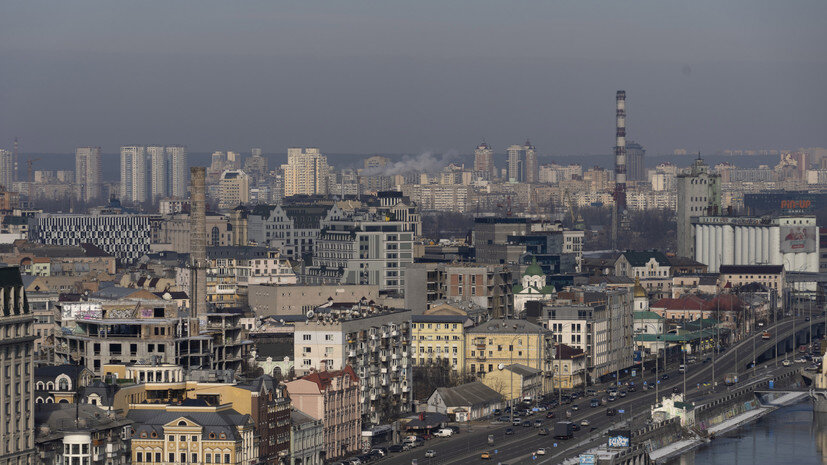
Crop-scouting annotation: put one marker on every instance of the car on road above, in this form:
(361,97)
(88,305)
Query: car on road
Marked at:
(585,422)
(430,453)
(444,433)
(504,419)
(707,360)
(497,412)
(538,423)
(380,451)
(543,432)
(396,448)
(509,431)
(575,426)
(807,319)
(622,393)
(800,360)
(594,403)
(590,392)
(526,424)
(516,422)
(485,455)
(632,388)
(676,390)
(786,363)
(575,407)
(610,412)
(665,376)
(540,451)
(612,398)
(549,414)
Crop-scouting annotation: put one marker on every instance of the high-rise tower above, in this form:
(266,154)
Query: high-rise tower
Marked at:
(88,172)
(484,160)
(133,174)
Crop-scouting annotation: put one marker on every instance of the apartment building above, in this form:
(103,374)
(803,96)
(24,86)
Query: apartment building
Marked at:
(333,398)
(16,396)
(643,264)
(88,173)
(362,247)
(297,299)
(292,229)
(103,440)
(439,339)
(234,189)
(124,236)
(192,433)
(306,172)
(487,286)
(306,439)
(498,343)
(232,270)
(133,174)
(484,160)
(374,342)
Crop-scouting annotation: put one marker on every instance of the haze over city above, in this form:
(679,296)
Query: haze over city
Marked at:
(405,77)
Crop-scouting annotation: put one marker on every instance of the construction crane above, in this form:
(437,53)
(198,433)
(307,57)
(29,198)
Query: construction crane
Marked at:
(30,174)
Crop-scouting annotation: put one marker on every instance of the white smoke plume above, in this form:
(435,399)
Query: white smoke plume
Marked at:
(426,162)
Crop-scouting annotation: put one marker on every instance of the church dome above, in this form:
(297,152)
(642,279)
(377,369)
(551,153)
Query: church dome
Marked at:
(534,269)
(639,291)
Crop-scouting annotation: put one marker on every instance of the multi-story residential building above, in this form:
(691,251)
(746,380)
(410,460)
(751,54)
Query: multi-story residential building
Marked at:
(7,169)
(133,174)
(484,161)
(88,172)
(16,398)
(178,170)
(699,194)
(635,161)
(362,247)
(231,270)
(769,276)
(306,439)
(229,344)
(522,163)
(124,236)
(569,368)
(491,239)
(256,165)
(172,233)
(234,189)
(102,439)
(192,433)
(498,343)
(440,197)
(306,172)
(439,339)
(333,398)
(374,342)
(294,299)
(128,331)
(158,172)
(376,162)
(401,208)
(292,229)
(487,286)
(597,320)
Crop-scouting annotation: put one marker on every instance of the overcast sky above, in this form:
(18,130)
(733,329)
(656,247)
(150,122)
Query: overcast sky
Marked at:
(408,76)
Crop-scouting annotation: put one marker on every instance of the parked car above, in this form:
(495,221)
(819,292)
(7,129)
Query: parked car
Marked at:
(455,429)
(396,448)
(504,419)
(381,451)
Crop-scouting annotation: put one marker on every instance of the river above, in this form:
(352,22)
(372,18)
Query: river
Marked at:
(790,435)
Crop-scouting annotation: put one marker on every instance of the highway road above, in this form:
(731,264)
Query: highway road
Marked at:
(467,446)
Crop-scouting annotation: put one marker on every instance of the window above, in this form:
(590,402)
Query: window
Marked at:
(208,458)
(194,458)
(139,457)
(172,456)
(226,458)
(182,438)
(305,337)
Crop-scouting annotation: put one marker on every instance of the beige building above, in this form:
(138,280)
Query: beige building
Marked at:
(769,276)
(331,396)
(234,189)
(306,172)
(295,299)
(16,401)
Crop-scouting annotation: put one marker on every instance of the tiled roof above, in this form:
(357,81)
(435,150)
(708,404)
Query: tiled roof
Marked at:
(323,378)
(473,393)
(637,258)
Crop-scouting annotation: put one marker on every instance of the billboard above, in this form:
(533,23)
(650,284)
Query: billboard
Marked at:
(798,239)
(587,459)
(619,438)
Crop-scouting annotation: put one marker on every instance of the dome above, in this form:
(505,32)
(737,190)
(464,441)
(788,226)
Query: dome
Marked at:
(534,269)
(639,291)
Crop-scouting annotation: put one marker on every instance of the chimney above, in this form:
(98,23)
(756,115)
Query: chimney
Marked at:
(198,242)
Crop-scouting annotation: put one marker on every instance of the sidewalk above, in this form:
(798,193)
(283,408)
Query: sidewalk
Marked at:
(676,448)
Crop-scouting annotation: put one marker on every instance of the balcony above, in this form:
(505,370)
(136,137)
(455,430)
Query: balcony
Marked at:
(394,356)
(383,358)
(383,370)
(351,353)
(481,356)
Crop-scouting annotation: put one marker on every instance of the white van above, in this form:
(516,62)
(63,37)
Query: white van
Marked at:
(444,433)
(682,368)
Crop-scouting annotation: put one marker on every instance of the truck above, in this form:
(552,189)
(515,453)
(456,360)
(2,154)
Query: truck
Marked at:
(563,430)
(444,433)
(731,378)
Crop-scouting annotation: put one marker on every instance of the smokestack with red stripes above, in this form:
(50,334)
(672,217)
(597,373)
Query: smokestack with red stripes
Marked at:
(620,152)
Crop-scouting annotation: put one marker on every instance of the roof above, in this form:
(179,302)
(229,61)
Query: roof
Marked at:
(751,269)
(60,418)
(647,316)
(640,258)
(522,370)
(10,276)
(534,269)
(217,422)
(298,418)
(507,326)
(438,318)
(566,352)
(638,290)
(725,302)
(53,371)
(685,261)
(323,378)
(473,394)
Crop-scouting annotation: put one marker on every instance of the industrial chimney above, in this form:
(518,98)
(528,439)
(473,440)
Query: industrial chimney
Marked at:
(198,242)
(619,212)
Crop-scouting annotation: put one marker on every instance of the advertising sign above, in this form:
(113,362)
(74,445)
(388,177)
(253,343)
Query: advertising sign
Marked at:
(795,239)
(587,459)
(619,438)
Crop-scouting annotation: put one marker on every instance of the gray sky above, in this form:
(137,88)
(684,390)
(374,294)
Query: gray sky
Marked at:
(404,77)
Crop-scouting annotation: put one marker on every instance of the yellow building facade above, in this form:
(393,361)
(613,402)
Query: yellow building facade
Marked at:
(493,345)
(437,338)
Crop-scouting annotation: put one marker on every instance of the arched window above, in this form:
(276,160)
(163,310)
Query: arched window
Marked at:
(215,236)
(50,386)
(49,400)
(63,384)
(39,385)
(64,401)
(182,423)
(39,400)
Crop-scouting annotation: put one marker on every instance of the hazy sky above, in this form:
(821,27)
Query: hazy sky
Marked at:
(408,76)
